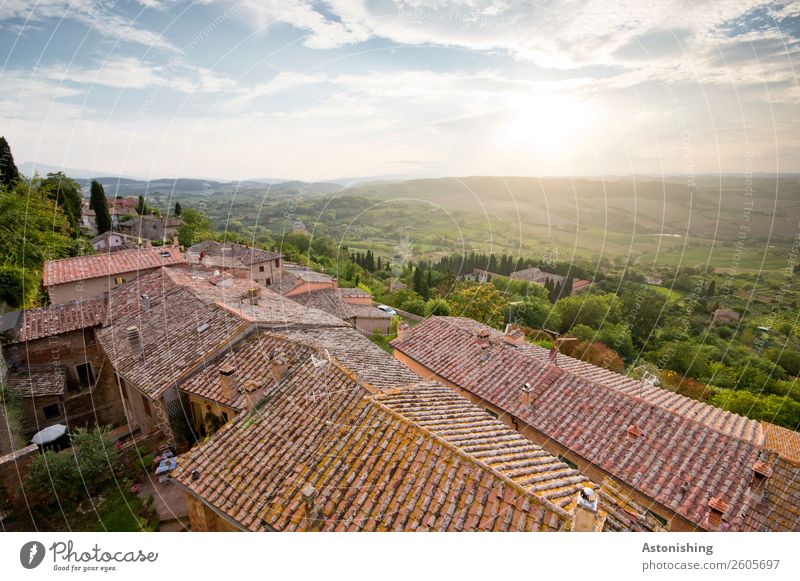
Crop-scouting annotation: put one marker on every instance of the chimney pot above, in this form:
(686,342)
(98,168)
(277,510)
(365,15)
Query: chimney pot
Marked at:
(514,337)
(253,392)
(585,517)
(402,328)
(278,366)
(309,494)
(135,340)
(634,431)
(227,379)
(252,296)
(145,302)
(718,508)
(527,395)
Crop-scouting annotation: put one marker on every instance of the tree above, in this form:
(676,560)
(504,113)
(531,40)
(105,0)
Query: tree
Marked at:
(87,466)
(437,307)
(591,310)
(18,285)
(178,210)
(98,203)
(8,169)
(712,289)
(33,229)
(299,240)
(195,228)
(65,192)
(534,312)
(482,302)
(141,208)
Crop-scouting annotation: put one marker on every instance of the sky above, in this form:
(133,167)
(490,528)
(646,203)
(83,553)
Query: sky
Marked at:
(325,90)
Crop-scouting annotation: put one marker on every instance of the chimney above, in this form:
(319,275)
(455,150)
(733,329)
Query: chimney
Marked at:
(135,340)
(527,395)
(335,283)
(514,336)
(717,508)
(253,392)
(227,379)
(252,296)
(401,330)
(585,517)
(311,520)
(278,366)
(145,301)
(761,471)
(634,431)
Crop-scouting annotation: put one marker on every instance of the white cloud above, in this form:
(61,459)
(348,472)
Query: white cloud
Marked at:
(96,14)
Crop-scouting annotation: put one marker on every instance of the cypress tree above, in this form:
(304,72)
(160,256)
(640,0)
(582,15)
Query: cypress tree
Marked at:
(98,203)
(8,169)
(140,207)
(178,209)
(66,193)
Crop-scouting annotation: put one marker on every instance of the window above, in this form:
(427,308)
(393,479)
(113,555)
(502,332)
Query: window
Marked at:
(85,374)
(277,263)
(568,462)
(268,282)
(119,279)
(51,411)
(261,268)
(146,404)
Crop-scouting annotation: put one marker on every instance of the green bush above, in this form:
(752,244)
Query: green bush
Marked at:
(86,466)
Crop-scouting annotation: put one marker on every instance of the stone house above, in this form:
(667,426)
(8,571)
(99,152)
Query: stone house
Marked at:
(260,266)
(86,277)
(151,227)
(112,241)
(57,370)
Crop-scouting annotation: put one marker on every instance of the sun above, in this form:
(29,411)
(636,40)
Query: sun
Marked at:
(545,125)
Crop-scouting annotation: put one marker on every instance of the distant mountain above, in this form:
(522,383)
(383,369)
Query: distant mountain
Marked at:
(117,186)
(29,168)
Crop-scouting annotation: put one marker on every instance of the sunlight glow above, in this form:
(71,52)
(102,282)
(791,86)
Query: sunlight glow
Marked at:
(546,125)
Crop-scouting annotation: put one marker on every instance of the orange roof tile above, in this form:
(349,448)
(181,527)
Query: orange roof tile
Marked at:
(108,264)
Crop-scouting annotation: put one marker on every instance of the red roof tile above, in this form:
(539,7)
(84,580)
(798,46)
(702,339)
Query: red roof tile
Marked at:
(108,264)
(58,319)
(678,462)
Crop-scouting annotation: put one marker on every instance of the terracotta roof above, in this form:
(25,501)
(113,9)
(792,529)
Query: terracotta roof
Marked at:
(371,468)
(327,300)
(368,312)
(353,292)
(366,361)
(58,319)
(783,441)
(461,423)
(178,333)
(108,264)
(678,462)
(38,382)
(293,275)
(190,320)
(776,505)
(237,253)
(250,360)
(713,417)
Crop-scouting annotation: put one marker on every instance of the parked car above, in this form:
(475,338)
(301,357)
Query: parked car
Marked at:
(387,309)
